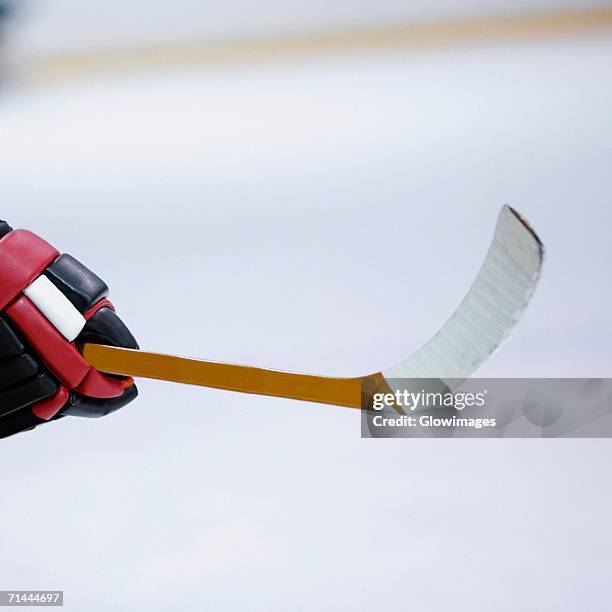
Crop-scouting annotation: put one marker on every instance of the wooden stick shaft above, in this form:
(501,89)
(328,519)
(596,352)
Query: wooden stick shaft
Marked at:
(320,389)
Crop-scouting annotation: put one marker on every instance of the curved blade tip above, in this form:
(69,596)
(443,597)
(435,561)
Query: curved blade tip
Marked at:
(526,225)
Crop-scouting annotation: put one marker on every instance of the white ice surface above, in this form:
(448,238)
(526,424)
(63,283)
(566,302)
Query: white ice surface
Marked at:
(277,195)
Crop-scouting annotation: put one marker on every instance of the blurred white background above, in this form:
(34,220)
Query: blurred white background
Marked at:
(67,25)
(323,215)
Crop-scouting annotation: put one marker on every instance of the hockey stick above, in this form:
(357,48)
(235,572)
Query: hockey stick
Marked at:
(482,322)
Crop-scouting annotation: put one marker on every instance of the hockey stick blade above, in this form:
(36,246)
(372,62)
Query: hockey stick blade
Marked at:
(485,318)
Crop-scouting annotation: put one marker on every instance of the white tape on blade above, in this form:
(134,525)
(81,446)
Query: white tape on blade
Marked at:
(487,314)
(56,307)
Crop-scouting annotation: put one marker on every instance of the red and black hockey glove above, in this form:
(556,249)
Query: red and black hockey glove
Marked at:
(51,304)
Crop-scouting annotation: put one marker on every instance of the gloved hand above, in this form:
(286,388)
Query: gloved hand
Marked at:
(50,304)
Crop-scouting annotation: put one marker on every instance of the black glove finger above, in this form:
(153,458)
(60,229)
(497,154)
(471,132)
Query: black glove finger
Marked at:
(10,344)
(105,327)
(18,369)
(26,394)
(85,289)
(21,420)
(5,228)
(79,405)
(23,379)
(77,282)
